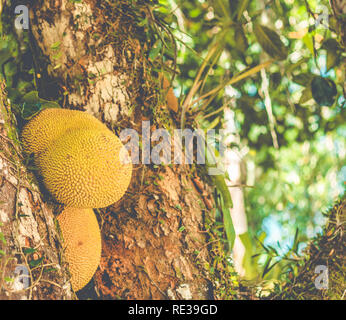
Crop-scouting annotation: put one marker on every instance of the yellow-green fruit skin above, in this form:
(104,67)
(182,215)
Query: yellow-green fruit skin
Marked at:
(50,124)
(81,244)
(85,168)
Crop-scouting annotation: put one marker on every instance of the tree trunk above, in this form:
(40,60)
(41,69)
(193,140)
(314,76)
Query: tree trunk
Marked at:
(29,262)
(97,55)
(339,10)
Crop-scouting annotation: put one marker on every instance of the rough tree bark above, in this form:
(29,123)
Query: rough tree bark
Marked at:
(151,236)
(339,10)
(30,265)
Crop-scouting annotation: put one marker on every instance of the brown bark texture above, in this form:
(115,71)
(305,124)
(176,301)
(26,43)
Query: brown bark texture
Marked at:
(97,57)
(339,11)
(30,264)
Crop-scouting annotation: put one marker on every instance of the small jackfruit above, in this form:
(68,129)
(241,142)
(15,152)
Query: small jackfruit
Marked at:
(48,125)
(81,244)
(86,168)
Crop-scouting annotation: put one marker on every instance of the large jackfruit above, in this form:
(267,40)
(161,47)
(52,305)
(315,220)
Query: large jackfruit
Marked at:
(81,244)
(86,168)
(48,125)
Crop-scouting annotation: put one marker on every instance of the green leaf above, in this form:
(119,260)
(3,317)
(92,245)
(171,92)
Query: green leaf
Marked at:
(32,103)
(23,215)
(28,250)
(242,5)
(10,69)
(229,228)
(35,263)
(273,250)
(333,49)
(262,236)
(250,272)
(240,39)
(7,279)
(155,50)
(31,97)
(214,123)
(55,45)
(5,54)
(221,7)
(178,206)
(143,23)
(306,95)
(296,242)
(181,229)
(323,91)
(270,42)
(307,39)
(268,268)
(303,79)
(223,190)
(2,238)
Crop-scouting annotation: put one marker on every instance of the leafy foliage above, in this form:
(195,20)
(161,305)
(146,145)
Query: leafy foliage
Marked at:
(326,249)
(289,106)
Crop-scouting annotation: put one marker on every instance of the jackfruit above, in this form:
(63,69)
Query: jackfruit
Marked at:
(86,168)
(81,244)
(48,125)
